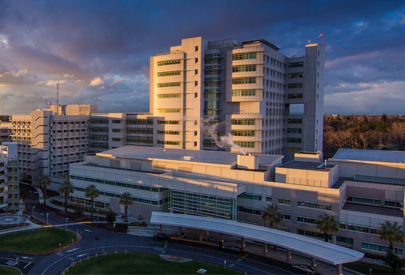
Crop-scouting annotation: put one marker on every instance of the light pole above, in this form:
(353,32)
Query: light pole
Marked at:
(371,271)
(47,214)
(66,223)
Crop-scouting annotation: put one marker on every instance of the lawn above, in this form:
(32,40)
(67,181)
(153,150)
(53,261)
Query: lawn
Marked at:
(376,269)
(9,270)
(37,241)
(139,263)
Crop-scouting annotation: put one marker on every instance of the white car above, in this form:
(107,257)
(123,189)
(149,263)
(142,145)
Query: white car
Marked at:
(304,268)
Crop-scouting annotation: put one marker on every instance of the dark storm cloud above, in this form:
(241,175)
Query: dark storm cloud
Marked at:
(100,50)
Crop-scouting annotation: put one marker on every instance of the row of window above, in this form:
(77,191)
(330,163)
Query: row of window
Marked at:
(169,62)
(169,73)
(296,64)
(359,228)
(140,121)
(364,200)
(320,206)
(168,96)
(166,142)
(240,133)
(250,196)
(148,140)
(244,93)
(295,96)
(167,122)
(294,121)
(244,80)
(172,84)
(168,132)
(295,75)
(211,55)
(347,241)
(380,248)
(168,110)
(294,130)
(242,121)
(295,85)
(245,144)
(140,131)
(242,56)
(294,140)
(247,68)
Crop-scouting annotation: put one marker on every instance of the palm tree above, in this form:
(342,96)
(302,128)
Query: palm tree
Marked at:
(327,224)
(272,214)
(393,233)
(43,182)
(126,200)
(92,193)
(66,189)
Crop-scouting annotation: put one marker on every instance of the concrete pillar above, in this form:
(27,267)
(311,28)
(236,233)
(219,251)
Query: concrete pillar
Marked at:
(201,236)
(243,244)
(288,255)
(221,239)
(266,248)
(161,229)
(339,269)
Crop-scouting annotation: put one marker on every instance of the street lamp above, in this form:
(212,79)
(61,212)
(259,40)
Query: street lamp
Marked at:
(66,223)
(47,214)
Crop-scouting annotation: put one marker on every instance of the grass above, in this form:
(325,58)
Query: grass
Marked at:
(139,263)
(36,241)
(9,270)
(364,268)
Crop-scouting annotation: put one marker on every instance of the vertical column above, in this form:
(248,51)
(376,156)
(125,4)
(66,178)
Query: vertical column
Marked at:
(221,239)
(288,254)
(266,248)
(339,269)
(201,236)
(243,244)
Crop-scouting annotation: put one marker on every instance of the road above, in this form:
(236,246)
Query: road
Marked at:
(98,241)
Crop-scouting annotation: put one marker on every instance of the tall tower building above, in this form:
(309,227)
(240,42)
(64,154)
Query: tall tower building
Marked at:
(268,102)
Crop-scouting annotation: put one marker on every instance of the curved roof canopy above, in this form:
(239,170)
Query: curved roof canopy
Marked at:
(321,250)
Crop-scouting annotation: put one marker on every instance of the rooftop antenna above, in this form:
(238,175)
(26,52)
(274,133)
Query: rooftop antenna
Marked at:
(57,98)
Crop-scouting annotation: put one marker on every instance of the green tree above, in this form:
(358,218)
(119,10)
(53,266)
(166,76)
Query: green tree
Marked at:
(110,217)
(271,214)
(328,225)
(393,260)
(66,189)
(43,182)
(393,233)
(91,192)
(126,200)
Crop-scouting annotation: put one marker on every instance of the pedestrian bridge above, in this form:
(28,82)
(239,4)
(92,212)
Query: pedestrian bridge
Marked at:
(316,249)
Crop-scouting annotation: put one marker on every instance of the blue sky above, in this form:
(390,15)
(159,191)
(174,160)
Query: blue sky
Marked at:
(99,50)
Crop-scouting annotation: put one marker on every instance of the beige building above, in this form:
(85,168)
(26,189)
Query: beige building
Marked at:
(269,103)
(9,176)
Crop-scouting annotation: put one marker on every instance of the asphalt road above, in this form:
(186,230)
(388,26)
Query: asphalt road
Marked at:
(98,241)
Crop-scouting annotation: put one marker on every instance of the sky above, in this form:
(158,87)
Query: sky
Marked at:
(99,50)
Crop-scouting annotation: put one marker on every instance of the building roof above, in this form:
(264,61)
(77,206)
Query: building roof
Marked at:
(370,155)
(209,157)
(318,249)
(264,41)
(307,165)
(379,210)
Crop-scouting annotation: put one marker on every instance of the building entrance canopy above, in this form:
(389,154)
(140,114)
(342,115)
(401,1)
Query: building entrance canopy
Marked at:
(320,250)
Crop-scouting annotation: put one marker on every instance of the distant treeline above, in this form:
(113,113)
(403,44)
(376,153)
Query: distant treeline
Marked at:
(363,132)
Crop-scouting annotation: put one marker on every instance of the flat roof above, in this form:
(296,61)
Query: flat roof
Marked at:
(318,249)
(370,155)
(308,165)
(264,41)
(379,210)
(198,156)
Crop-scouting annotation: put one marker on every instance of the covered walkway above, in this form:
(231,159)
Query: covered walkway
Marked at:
(316,249)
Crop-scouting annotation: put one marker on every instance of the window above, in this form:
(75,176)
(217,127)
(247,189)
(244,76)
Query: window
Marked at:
(168,132)
(166,142)
(294,120)
(242,56)
(196,48)
(284,201)
(313,205)
(116,121)
(168,96)
(242,121)
(295,96)
(196,83)
(169,62)
(244,93)
(294,130)
(295,75)
(306,220)
(247,68)
(169,73)
(196,71)
(245,144)
(116,130)
(295,64)
(293,140)
(116,139)
(238,133)
(196,60)
(317,85)
(164,85)
(295,85)
(168,122)
(168,110)
(245,80)
(364,200)
(397,204)
(379,248)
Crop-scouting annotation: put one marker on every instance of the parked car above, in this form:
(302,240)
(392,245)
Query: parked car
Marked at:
(161,238)
(304,268)
(232,248)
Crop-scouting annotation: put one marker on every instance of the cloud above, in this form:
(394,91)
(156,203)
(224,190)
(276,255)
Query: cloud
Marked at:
(96,81)
(50,82)
(68,75)
(4,42)
(101,88)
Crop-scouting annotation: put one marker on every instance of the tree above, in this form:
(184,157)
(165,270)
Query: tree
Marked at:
(393,260)
(328,225)
(393,233)
(91,192)
(126,200)
(43,182)
(272,215)
(66,189)
(110,217)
